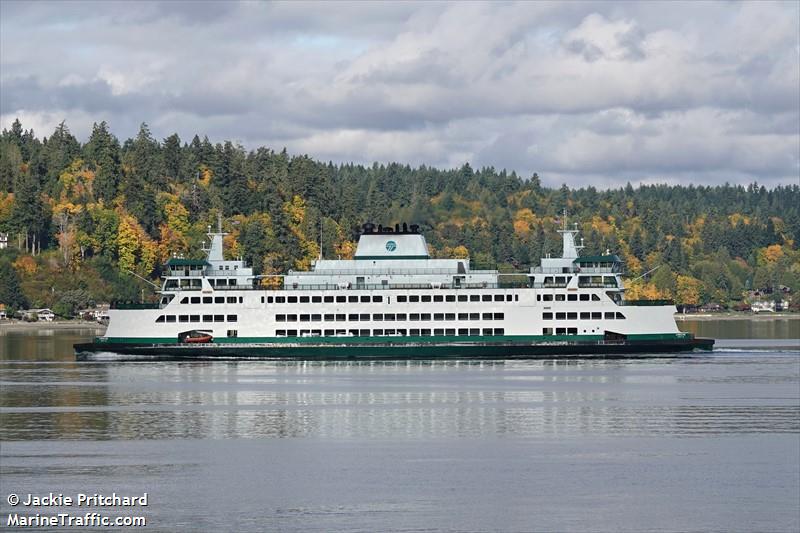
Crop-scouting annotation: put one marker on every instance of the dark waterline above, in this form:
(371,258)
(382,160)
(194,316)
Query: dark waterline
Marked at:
(704,443)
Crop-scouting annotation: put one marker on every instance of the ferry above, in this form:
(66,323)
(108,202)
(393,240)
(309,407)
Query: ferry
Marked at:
(392,300)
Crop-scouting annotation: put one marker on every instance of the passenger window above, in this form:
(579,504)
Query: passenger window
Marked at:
(438,298)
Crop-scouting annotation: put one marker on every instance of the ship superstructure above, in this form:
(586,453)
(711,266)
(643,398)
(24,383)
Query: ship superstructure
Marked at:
(393,300)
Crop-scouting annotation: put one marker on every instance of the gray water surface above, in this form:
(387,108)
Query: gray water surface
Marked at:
(704,443)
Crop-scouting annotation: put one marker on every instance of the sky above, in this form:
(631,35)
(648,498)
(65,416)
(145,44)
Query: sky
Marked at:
(595,93)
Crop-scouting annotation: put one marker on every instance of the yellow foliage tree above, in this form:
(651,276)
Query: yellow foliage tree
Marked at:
(345,249)
(26,265)
(136,250)
(772,253)
(524,221)
(641,290)
(687,290)
(172,233)
(460,252)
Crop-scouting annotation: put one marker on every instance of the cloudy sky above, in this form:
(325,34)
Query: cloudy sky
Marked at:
(582,93)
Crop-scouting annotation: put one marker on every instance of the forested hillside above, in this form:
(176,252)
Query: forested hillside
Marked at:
(79,216)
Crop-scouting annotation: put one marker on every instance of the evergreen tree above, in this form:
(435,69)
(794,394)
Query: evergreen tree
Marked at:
(10,291)
(102,155)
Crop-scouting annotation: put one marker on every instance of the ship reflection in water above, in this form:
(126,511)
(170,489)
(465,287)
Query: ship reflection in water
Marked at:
(690,444)
(405,400)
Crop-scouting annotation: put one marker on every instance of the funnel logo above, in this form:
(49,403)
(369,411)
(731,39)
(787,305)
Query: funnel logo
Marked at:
(391,246)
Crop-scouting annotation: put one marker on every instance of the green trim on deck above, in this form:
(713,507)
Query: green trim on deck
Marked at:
(178,261)
(613,258)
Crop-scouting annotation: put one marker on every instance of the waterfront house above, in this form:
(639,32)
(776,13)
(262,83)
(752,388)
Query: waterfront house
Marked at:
(40,314)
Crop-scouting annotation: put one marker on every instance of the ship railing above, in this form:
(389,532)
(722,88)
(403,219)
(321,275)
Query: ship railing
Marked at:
(134,305)
(646,303)
(388,272)
(589,285)
(576,270)
(181,274)
(207,273)
(373,286)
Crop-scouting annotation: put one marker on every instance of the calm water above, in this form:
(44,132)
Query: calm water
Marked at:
(710,442)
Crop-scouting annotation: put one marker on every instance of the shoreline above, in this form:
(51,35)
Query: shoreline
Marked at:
(756,317)
(19,325)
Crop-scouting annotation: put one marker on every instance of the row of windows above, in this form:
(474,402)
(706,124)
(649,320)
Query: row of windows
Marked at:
(567,297)
(197,318)
(401,298)
(212,300)
(560,331)
(609,315)
(462,332)
(389,317)
(564,280)
(414,298)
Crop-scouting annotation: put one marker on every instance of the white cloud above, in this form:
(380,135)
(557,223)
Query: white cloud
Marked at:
(579,92)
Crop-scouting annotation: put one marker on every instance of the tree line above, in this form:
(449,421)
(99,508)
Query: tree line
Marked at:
(80,216)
